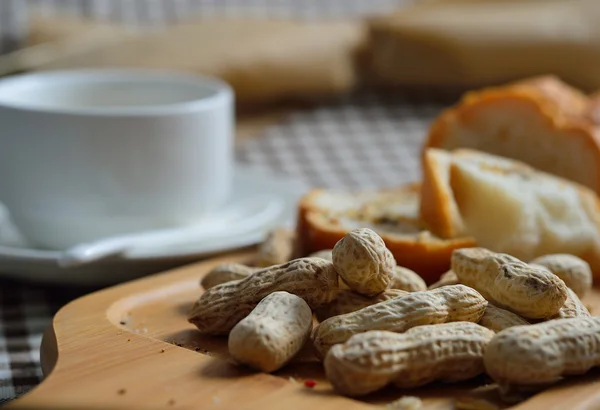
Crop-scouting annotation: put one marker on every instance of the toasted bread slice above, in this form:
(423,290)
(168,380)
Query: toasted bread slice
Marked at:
(542,122)
(510,207)
(325,216)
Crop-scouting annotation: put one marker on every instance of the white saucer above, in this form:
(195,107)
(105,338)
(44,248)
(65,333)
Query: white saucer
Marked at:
(43,265)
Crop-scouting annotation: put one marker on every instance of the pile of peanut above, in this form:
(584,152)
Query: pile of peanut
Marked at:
(522,324)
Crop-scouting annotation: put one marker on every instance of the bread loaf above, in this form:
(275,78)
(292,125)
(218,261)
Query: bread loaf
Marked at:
(472,43)
(540,121)
(325,216)
(264,60)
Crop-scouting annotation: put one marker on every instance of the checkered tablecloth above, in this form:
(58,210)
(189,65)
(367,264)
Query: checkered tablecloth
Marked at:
(25,312)
(14,14)
(361,141)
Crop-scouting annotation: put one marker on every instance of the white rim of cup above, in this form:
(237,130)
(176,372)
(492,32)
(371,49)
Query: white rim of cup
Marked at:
(218,91)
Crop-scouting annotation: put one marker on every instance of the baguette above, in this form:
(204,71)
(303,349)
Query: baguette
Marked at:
(510,207)
(325,216)
(540,121)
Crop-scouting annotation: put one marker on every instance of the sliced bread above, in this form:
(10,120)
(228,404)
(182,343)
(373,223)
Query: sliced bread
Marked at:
(325,216)
(540,121)
(437,206)
(510,207)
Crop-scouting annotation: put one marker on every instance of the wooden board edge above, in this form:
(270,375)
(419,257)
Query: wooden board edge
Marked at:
(51,355)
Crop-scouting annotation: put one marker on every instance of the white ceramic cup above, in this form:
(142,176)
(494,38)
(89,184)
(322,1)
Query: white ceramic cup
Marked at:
(86,154)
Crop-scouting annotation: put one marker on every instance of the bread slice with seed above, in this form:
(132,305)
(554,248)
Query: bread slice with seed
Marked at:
(325,216)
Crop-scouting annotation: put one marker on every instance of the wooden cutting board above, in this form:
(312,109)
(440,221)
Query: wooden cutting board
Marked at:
(131,347)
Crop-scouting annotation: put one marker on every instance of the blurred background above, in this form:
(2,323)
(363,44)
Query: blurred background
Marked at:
(334,93)
(379,70)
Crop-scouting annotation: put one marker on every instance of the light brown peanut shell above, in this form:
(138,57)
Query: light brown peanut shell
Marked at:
(448,278)
(363,262)
(328,255)
(497,319)
(369,361)
(447,304)
(510,283)
(543,353)
(574,271)
(273,333)
(348,301)
(277,248)
(226,272)
(408,280)
(220,308)
(572,308)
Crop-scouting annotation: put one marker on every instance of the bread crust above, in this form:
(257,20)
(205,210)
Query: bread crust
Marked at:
(422,252)
(437,207)
(547,106)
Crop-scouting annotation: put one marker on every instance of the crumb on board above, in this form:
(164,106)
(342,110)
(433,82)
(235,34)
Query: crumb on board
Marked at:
(129,340)
(204,351)
(171,402)
(162,350)
(121,392)
(122,323)
(291,379)
(406,403)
